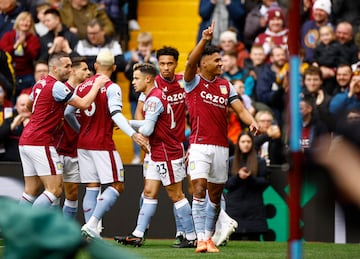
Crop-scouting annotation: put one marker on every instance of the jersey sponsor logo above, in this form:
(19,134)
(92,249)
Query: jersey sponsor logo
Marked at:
(214,98)
(176,97)
(151,107)
(223,89)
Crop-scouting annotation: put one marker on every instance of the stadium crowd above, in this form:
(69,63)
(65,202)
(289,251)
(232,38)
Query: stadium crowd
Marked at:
(250,39)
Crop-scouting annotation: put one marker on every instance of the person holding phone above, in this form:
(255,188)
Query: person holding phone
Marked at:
(248,178)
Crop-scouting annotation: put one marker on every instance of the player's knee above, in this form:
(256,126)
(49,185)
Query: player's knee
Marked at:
(119,186)
(175,197)
(149,193)
(199,191)
(57,191)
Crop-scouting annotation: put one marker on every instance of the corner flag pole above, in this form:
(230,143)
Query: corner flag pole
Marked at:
(295,247)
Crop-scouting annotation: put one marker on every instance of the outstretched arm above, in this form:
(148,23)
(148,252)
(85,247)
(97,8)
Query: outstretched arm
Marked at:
(245,116)
(194,58)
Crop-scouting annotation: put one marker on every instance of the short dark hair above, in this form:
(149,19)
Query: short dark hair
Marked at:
(53,11)
(168,51)
(76,61)
(313,70)
(209,50)
(145,68)
(57,56)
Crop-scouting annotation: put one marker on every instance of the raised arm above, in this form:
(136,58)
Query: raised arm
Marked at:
(194,58)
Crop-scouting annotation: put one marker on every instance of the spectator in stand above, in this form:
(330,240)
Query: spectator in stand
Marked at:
(306,10)
(272,84)
(312,128)
(328,52)
(59,37)
(23,45)
(143,54)
(132,15)
(225,13)
(310,29)
(327,55)
(40,26)
(343,78)
(344,35)
(76,15)
(256,21)
(276,33)
(7,74)
(349,99)
(41,70)
(269,144)
(112,8)
(234,124)
(231,72)
(9,10)
(6,112)
(12,128)
(346,10)
(228,42)
(96,41)
(256,62)
(314,92)
(247,181)
(240,89)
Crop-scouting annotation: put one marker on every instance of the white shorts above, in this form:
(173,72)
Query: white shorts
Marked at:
(100,166)
(147,160)
(40,160)
(168,172)
(71,172)
(209,162)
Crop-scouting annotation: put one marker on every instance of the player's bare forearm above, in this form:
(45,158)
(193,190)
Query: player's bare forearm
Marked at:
(245,116)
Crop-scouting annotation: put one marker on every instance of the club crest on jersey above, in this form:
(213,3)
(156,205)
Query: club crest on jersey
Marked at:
(151,107)
(223,89)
